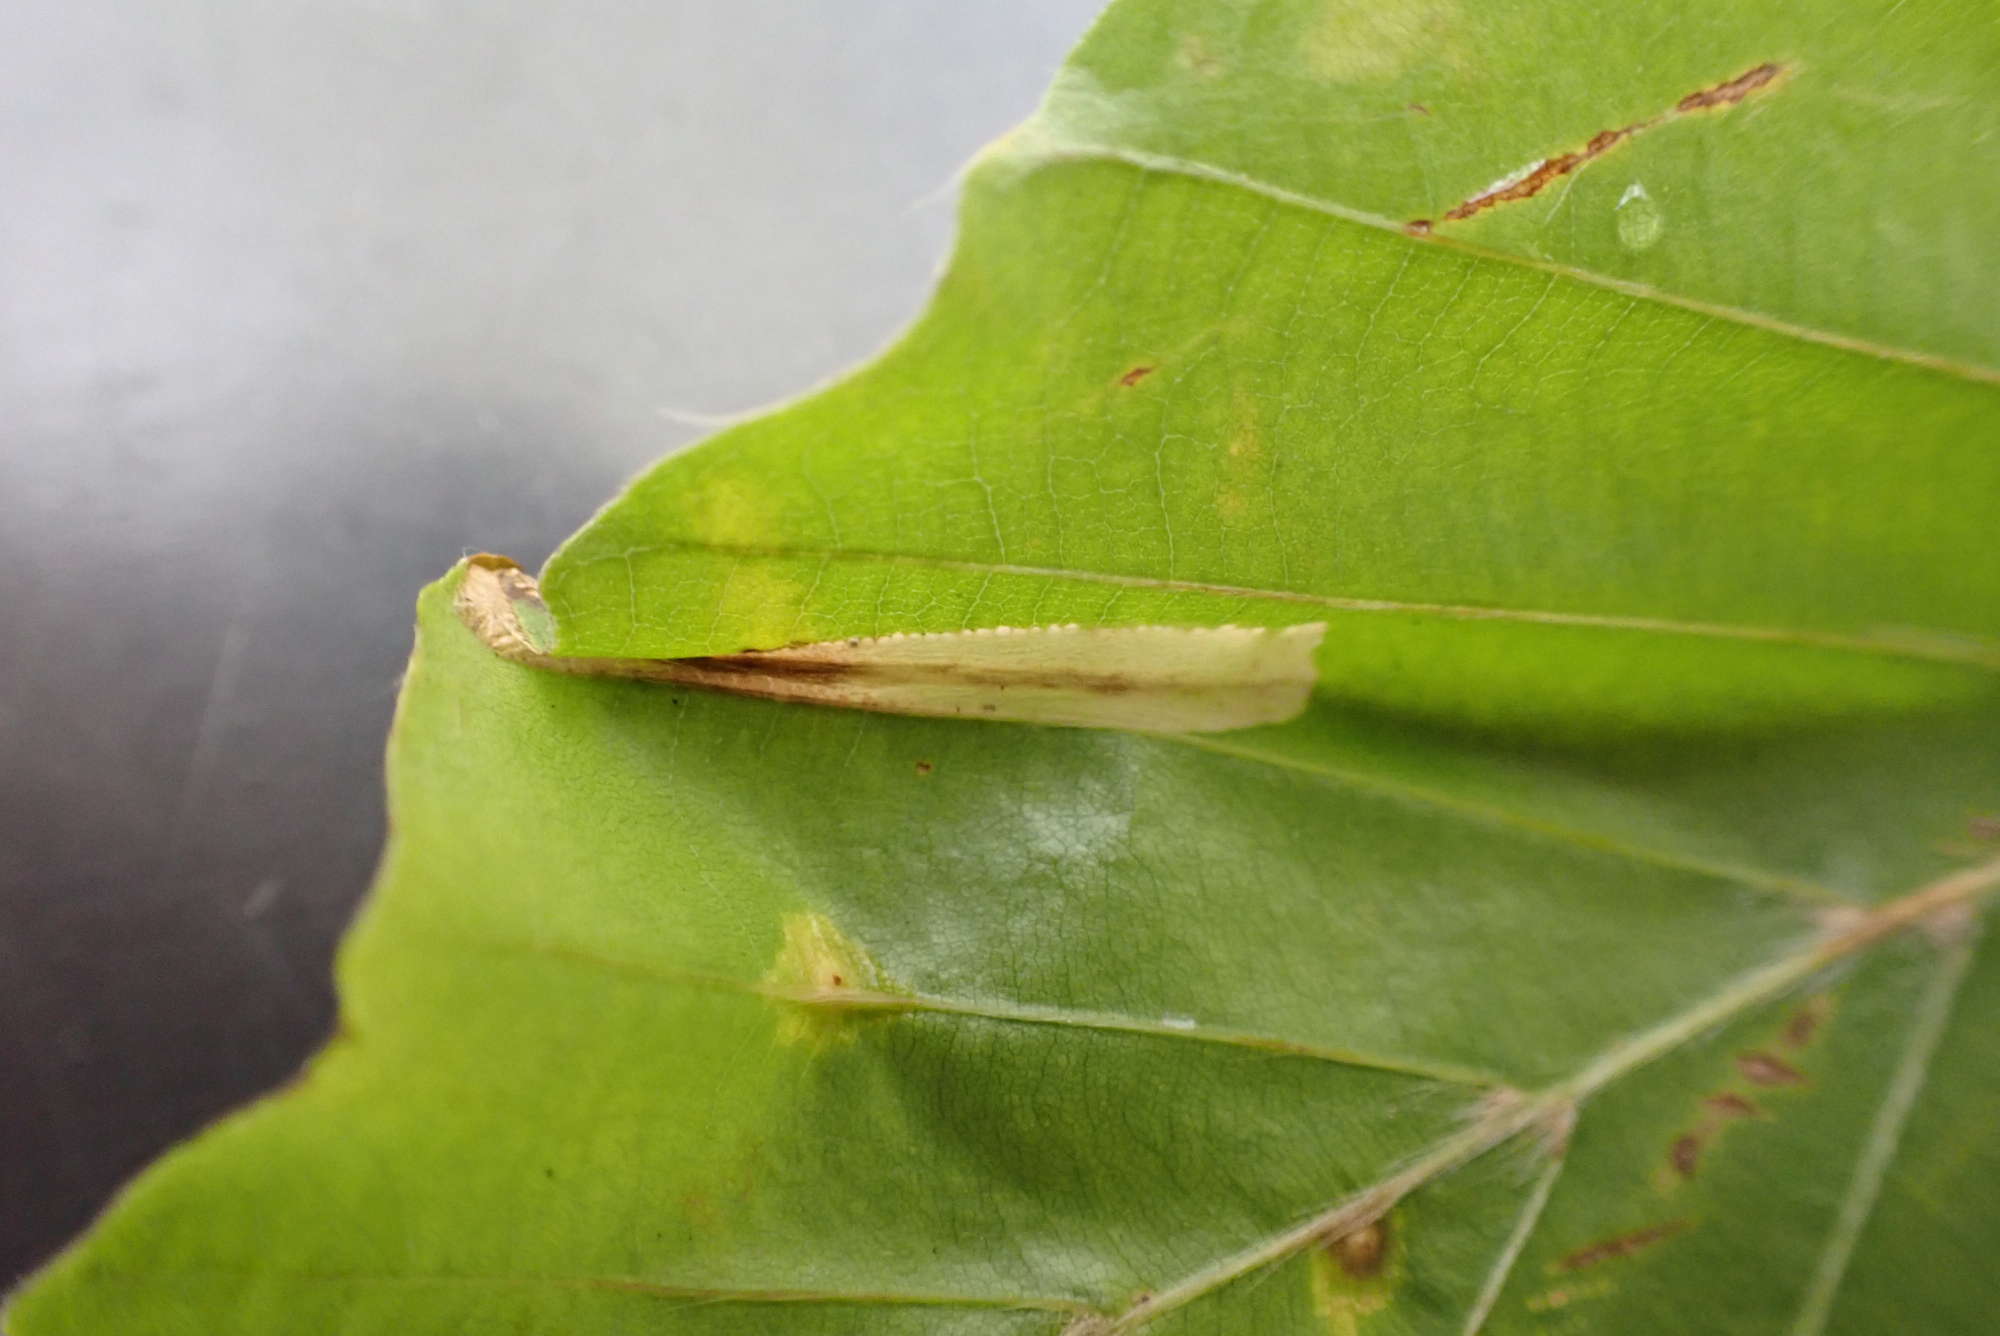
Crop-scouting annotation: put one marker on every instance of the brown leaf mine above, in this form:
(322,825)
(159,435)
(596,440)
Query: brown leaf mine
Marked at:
(1158,679)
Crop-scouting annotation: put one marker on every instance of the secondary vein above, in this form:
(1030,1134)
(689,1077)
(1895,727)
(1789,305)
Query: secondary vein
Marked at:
(1794,887)
(1885,1135)
(1517,1243)
(1005,1011)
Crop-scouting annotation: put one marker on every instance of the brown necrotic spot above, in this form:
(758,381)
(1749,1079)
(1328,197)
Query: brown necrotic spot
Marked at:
(924,767)
(1622,1245)
(1135,375)
(1768,1069)
(1362,1253)
(1684,1152)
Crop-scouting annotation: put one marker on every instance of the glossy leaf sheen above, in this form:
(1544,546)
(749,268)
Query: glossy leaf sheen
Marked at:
(1653,530)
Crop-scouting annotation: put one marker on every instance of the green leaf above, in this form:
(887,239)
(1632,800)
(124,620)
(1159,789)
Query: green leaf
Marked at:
(1600,951)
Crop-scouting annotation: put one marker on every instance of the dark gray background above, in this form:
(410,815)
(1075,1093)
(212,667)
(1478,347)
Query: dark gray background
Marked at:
(300,299)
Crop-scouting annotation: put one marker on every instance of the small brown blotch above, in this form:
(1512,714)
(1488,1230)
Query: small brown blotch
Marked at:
(1197,58)
(1622,1245)
(1768,1069)
(1564,1295)
(1135,375)
(1420,109)
(1418,227)
(1361,1253)
(925,767)
(699,1209)
(1726,1104)
(1984,828)
(1685,1155)
(1804,1023)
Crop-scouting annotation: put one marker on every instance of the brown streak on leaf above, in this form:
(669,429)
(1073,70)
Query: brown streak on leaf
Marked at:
(1728,1104)
(790,667)
(1768,1069)
(1135,375)
(1532,180)
(1535,178)
(1623,1245)
(1685,1154)
(1732,91)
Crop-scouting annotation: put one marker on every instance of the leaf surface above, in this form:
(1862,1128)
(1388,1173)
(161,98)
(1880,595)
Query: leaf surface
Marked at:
(1601,947)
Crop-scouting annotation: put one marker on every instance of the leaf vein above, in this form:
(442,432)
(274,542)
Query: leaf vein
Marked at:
(693,1294)
(865,1001)
(1517,1243)
(1917,643)
(1468,809)
(1885,1135)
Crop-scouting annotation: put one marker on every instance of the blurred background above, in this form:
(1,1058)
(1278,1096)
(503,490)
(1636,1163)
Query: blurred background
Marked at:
(300,300)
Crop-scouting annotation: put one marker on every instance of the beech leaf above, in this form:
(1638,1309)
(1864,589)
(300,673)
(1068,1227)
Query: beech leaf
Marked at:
(1597,946)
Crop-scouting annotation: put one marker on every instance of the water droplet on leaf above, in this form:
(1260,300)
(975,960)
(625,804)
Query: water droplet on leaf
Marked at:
(1640,220)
